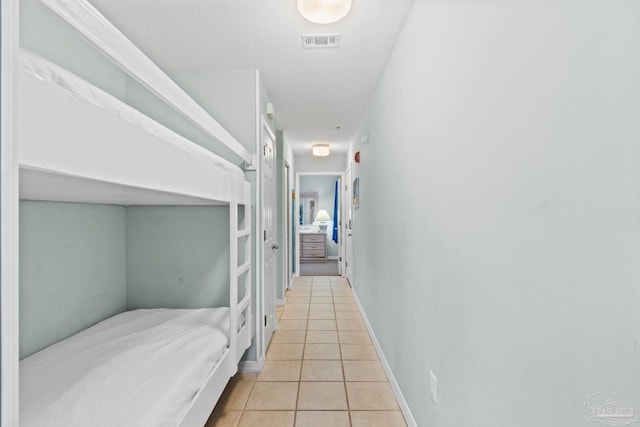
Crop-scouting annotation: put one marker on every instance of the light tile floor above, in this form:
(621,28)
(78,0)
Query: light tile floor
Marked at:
(321,368)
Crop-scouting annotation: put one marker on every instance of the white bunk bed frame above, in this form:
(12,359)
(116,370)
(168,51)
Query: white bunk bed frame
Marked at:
(84,159)
(94,27)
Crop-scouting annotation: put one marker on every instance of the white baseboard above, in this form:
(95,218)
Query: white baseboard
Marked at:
(404,407)
(333,257)
(280,301)
(250,366)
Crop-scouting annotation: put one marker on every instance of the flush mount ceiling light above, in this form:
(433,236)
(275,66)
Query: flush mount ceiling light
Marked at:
(320,150)
(324,11)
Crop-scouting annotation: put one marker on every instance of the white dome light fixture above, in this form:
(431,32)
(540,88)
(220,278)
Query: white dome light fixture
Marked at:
(324,11)
(320,150)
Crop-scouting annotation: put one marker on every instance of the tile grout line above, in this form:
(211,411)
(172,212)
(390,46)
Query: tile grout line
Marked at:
(344,375)
(302,360)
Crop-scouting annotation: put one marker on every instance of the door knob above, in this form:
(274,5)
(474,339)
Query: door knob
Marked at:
(275,247)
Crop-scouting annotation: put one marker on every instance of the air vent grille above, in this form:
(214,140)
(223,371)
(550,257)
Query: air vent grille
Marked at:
(320,41)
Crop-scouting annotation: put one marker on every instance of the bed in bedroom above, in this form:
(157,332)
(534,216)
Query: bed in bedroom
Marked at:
(145,367)
(138,368)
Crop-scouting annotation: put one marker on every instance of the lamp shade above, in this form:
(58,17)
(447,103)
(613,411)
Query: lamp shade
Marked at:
(324,11)
(323,215)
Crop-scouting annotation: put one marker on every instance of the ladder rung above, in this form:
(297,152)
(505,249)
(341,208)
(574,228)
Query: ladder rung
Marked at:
(243,268)
(242,305)
(244,233)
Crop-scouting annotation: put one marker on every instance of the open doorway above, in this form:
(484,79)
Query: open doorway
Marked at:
(319,224)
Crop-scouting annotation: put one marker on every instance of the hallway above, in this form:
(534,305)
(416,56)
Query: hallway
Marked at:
(329,268)
(321,368)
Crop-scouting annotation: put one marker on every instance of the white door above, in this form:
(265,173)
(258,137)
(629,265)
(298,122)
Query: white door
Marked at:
(269,232)
(348,224)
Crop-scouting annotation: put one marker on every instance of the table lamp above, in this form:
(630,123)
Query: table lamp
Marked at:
(322,218)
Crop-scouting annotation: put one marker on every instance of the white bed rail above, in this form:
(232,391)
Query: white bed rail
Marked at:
(239,334)
(97,149)
(93,26)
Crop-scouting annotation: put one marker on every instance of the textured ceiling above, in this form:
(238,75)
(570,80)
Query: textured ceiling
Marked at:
(314,91)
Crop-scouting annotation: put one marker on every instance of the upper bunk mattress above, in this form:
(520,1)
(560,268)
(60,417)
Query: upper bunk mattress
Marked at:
(83,139)
(138,368)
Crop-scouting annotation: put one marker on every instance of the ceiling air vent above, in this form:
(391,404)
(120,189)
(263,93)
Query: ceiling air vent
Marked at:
(318,41)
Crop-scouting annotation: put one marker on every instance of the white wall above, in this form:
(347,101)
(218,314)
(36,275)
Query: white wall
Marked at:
(309,163)
(503,163)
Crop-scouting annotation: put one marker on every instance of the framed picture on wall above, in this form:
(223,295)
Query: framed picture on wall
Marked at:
(356,193)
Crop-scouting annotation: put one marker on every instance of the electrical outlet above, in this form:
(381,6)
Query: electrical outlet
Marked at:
(433,387)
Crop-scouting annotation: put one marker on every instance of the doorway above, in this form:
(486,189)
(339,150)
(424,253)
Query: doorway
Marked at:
(319,225)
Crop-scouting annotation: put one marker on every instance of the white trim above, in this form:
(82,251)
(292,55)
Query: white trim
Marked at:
(200,407)
(259,246)
(250,366)
(9,293)
(286,225)
(90,24)
(404,407)
(234,272)
(281,301)
(347,215)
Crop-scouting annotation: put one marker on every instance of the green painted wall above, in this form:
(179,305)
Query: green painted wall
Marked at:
(72,269)
(227,95)
(177,257)
(82,263)
(498,235)
(43,32)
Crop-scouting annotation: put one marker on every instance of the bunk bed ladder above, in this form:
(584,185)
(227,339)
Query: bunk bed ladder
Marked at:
(240,271)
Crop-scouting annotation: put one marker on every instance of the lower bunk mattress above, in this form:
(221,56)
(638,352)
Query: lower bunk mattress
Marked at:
(138,368)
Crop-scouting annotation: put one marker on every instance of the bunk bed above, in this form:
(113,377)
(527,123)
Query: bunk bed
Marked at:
(80,144)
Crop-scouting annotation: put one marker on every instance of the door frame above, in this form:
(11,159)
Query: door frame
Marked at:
(287,220)
(348,223)
(296,218)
